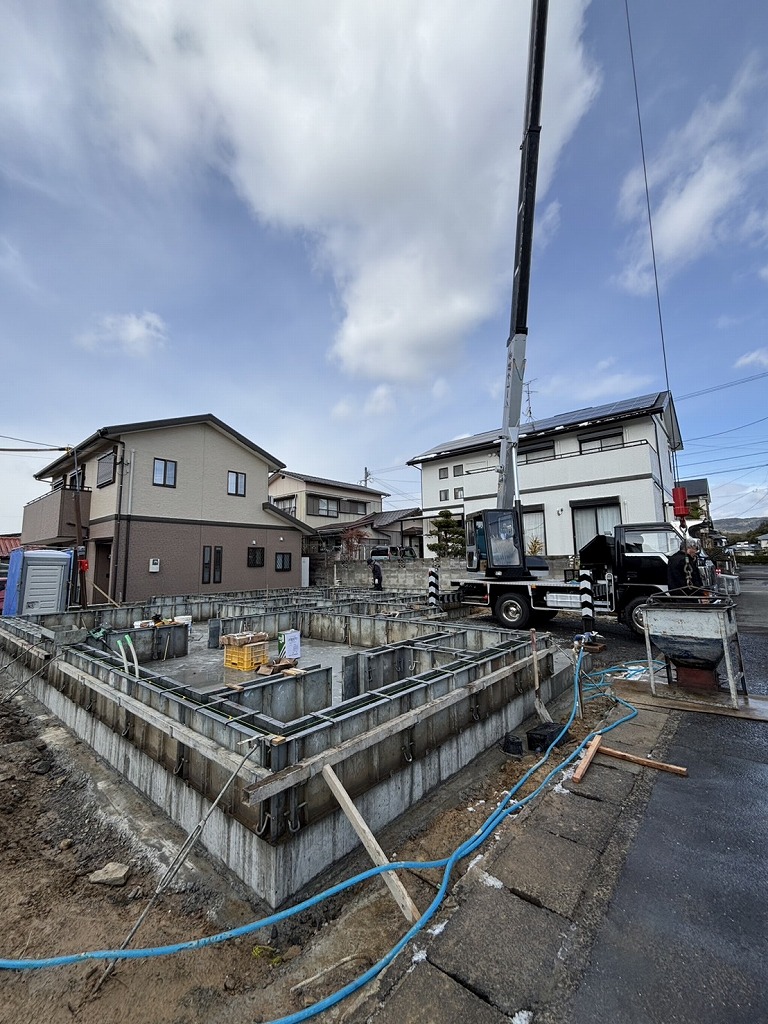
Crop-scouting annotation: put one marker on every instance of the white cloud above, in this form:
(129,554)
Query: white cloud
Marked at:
(759,357)
(14,266)
(380,401)
(386,135)
(727,322)
(547,224)
(763,273)
(344,409)
(703,184)
(126,334)
(577,391)
(441,389)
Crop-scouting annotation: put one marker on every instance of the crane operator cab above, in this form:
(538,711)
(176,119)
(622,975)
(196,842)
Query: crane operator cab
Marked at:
(494,544)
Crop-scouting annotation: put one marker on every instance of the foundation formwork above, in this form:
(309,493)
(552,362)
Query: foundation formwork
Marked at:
(418,705)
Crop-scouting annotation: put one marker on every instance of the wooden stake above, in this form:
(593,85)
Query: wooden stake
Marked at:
(377,855)
(646,762)
(586,761)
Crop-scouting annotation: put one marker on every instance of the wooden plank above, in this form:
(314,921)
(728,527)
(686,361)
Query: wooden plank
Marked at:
(586,761)
(646,762)
(753,708)
(399,892)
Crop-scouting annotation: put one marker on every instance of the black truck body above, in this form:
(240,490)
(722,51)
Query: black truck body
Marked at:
(626,569)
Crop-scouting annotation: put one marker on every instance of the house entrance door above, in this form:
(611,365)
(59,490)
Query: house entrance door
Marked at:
(101,570)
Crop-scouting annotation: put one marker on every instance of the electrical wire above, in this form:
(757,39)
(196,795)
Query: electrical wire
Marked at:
(650,217)
(720,387)
(593,686)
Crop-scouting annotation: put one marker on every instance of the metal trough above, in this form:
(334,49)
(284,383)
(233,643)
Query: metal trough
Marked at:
(695,637)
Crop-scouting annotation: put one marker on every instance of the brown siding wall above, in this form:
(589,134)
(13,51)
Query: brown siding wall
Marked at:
(179,546)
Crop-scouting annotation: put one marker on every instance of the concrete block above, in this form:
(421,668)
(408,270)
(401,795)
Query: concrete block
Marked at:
(545,868)
(427,996)
(574,816)
(610,781)
(503,948)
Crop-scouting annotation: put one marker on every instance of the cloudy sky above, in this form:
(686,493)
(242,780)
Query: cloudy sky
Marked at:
(299,215)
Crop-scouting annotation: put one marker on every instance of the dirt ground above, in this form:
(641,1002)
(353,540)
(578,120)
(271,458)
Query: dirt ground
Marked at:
(57,828)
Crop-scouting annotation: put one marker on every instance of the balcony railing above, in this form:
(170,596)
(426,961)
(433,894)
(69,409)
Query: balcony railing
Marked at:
(52,518)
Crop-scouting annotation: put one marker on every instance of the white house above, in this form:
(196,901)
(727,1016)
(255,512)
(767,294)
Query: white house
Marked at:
(580,473)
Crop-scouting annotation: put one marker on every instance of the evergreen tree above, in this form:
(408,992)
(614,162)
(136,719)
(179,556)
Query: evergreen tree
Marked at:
(450,541)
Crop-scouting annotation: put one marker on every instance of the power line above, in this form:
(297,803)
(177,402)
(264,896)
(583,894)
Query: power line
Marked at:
(729,458)
(720,387)
(23,440)
(737,469)
(730,430)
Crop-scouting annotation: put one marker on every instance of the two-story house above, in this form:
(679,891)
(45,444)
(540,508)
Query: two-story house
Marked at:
(170,506)
(580,473)
(327,506)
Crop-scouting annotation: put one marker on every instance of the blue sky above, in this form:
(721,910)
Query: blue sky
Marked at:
(299,215)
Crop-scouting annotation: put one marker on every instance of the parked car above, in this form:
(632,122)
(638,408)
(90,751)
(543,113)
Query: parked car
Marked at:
(391,552)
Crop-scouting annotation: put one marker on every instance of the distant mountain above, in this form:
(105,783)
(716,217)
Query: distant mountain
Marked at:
(727,526)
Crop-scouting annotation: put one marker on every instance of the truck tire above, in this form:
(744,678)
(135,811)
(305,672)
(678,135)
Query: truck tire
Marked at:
(512,610)
(632,617)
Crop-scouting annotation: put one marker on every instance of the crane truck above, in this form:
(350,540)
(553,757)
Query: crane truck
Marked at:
(627,567)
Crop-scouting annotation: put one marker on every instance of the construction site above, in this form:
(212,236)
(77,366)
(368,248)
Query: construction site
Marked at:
(389,694)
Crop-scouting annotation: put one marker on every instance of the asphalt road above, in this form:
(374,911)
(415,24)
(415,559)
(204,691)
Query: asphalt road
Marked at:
(685,938)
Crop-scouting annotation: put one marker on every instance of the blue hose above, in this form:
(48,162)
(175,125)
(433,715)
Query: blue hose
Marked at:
(594,687)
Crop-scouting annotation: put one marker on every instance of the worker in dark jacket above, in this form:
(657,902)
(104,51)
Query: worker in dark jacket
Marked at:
(376,573)
(683,575)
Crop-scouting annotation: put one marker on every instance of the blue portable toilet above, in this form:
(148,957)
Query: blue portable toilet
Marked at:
(38,582)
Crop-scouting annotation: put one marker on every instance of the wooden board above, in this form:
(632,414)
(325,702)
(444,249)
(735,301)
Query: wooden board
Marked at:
(399,892)
(755,709)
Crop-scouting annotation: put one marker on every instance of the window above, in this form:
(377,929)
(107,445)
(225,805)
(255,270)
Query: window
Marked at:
(536,453)
(444,495)
(164,473)
(443,473)
(105,469)
(651,542)
(216,562)
(591,520)
(458,471)
(236,483)
(283,561)
(357,508)
(534,534)
(77,480)
(255,558)
(287,504)
(600,444)
(458,492)
(317,506)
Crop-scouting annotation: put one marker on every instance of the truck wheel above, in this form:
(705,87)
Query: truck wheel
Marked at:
(513,611)
(633,617)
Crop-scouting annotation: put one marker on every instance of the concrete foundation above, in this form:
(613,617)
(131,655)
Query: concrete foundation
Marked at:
(419,703)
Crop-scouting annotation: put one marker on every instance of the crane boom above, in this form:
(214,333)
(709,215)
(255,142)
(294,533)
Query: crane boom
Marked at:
(508,495)
(495,541)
